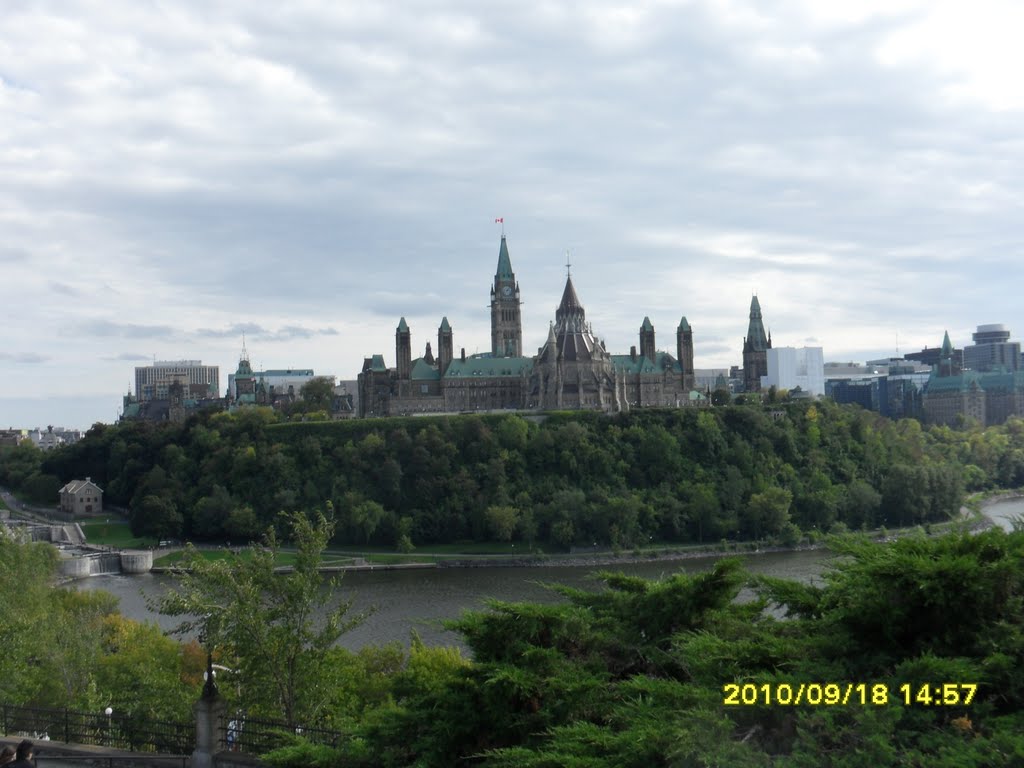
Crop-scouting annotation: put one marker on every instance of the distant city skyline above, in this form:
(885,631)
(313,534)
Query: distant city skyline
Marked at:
(172,177)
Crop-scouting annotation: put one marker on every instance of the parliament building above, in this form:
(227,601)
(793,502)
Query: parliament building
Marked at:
(571,371)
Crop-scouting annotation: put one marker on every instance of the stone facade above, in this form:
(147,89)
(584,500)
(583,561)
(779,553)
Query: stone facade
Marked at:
(987,397)
(755,349)
(81,497)
(572,370)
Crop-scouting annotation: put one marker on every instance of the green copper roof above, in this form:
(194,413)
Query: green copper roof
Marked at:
(1007,381)
(424,371)
(646,326)
(444,324)
(489,366)
(402,325)
(683,325)
(504,262)
(947,346)
(377,363)
(756,338)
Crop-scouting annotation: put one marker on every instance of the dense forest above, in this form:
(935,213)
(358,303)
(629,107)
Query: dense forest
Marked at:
(684,475)
(690,475)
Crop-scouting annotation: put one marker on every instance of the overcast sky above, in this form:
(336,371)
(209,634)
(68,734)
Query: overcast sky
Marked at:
(173,174)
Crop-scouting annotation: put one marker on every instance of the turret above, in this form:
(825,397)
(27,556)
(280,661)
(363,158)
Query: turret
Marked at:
(684,353)
(445,346)
(403,350)
(647,339)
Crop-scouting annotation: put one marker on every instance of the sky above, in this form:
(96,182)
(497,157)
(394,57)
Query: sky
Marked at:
(174,175)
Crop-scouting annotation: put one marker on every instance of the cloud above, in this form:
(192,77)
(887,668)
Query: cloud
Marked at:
(187,167)
(130,357)
(63,288)
(107,328)
(257,332)
(29,358)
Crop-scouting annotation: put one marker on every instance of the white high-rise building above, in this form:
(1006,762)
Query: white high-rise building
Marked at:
(789,368)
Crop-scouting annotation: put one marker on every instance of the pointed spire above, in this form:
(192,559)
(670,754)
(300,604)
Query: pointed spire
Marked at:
(402,325)
(551,334)
(569,298)
(947,346)
(646,326)
(683,325)
(756,338)
(504,271)
(444,324)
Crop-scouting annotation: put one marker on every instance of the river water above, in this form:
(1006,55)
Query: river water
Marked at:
(421,599)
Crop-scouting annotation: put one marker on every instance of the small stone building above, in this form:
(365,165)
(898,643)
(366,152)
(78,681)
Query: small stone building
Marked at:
(81,497)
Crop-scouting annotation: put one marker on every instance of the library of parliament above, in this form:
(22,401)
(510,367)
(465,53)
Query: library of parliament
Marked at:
(571,371)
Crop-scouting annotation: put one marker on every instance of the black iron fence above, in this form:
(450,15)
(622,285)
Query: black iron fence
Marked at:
(134,733)
(44,759)
(253,736)
(237,733)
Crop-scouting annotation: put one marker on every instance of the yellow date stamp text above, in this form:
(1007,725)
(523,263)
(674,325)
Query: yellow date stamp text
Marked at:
(844,694)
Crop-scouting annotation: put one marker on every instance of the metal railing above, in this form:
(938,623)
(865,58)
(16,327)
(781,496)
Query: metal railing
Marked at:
(253,736)
(46,760)
(134,733)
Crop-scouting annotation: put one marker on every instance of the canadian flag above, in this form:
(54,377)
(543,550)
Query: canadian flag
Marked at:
(500,221)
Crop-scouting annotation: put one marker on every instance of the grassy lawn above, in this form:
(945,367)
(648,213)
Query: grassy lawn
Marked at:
(115,534)
(458,548)
(173,558)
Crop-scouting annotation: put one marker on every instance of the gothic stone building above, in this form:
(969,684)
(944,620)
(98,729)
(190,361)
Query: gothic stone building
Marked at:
(572,370)
(989,397)
(755,349)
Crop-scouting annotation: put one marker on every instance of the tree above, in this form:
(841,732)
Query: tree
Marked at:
(318,394)
(501,521)
(157,516)
(273,630)
(768,511)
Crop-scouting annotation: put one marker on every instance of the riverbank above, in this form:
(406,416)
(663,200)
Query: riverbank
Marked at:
(972,515)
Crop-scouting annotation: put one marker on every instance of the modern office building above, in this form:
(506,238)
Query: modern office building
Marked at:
(992,350)
(792,367)
(198,381)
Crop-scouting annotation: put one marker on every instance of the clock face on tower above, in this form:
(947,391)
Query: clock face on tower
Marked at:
(506,291)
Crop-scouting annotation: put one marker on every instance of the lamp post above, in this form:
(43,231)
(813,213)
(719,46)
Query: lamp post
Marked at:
(109,711)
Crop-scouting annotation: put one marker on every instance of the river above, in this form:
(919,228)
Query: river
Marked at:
(422,599)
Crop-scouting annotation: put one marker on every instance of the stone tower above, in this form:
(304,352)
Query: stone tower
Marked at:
(445,346)
(647,339)
(506,317)
(684,353)
(755,349)
(403,350)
